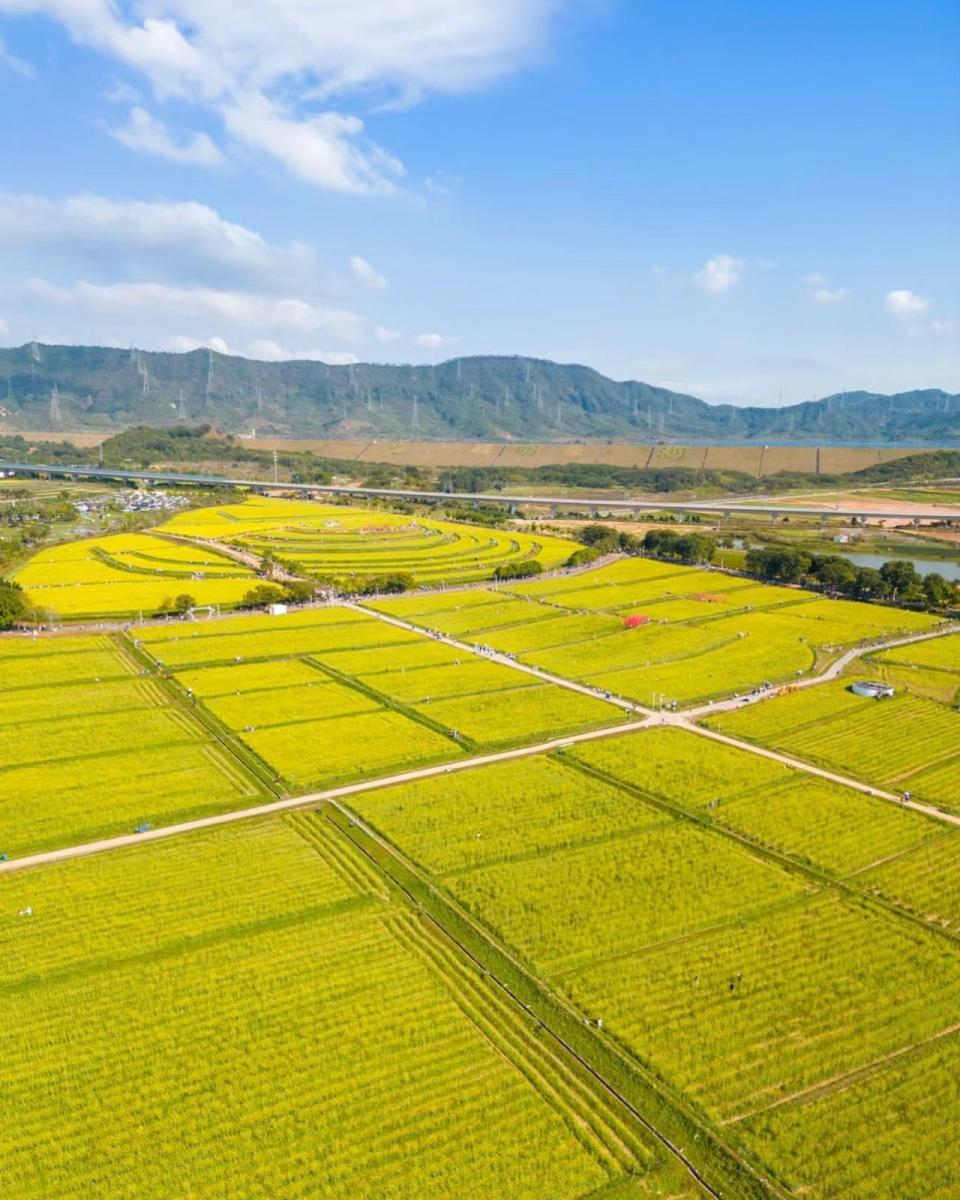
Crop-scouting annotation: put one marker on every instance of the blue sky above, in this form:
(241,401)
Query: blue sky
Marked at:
(747,201)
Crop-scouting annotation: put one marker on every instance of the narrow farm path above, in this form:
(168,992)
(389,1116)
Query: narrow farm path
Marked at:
(306,800)
(490,655)
(311,798)
(832,672)
(246,557)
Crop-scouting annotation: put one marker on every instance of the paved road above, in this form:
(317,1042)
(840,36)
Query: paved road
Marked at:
(598,503)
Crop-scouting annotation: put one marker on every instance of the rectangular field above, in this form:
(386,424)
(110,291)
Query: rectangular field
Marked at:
(907,743)
(306,1009)
(87,755)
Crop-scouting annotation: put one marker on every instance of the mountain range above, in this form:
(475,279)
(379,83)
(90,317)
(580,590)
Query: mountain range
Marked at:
(501,398)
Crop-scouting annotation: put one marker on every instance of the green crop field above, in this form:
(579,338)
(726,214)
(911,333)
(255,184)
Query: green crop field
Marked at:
(760,994)
(231,984)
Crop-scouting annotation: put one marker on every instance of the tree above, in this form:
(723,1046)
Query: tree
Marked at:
(262,595)
(695,548)
(868,583)
(184,602)
(939,592)
(902,578)
(778,562)
(518,570)
(591,535)
(14,608)
(299,591)
(834,572)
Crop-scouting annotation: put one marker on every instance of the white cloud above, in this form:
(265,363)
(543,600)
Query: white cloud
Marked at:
(719,274)
(815,279)
(179,236)
(24,69)
(828,296)
(333,358)
(324,149)
(906,305)
(366,274)
(384,334)
(433,341)
(182,344)
(271,351)
(4,328)
(144,134)
(265,67)
(238,309)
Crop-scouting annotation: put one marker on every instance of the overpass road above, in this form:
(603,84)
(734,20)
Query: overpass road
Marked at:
(595,505)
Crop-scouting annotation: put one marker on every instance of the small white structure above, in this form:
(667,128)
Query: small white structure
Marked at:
(842,538)
(276,610)
(872,690)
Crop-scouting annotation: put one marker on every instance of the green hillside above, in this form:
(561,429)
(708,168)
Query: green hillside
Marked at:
(83,387)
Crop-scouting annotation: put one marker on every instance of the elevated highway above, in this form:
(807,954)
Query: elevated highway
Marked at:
(593,505)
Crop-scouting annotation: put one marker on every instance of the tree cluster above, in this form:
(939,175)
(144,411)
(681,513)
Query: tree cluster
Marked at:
(896,580)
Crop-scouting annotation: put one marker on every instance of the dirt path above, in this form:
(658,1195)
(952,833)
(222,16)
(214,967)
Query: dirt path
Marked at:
(832,672)
(310,799)
(504,660)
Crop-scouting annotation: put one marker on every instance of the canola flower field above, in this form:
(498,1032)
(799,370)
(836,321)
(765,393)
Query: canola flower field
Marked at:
(125,575)
(773,955)
(223,982)
(92,747)
(770,996)
(703,634)
(343,543)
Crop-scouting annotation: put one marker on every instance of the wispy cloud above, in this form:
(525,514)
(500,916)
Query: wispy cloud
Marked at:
(147,135)
(18,65)
(906,305)
(265,69)
(719,274)
(364,273)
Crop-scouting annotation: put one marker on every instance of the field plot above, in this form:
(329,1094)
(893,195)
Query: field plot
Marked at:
(930,668)
(91,748)
(330,695)
(346,543)
(568,908)
(826,825)
(680,767)
(126,573)
(926,879)
(499,813)
(187,644)
(820,989)
(850,1141)
(907,743)
(307,1010)
(760,995)
(705,634)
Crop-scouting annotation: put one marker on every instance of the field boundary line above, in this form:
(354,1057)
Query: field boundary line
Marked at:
(308,799)
(504,660)
(680,721)
(838,1083)
(544,993)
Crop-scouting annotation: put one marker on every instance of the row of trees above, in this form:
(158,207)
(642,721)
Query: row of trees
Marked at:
(690,548)
(897,579)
